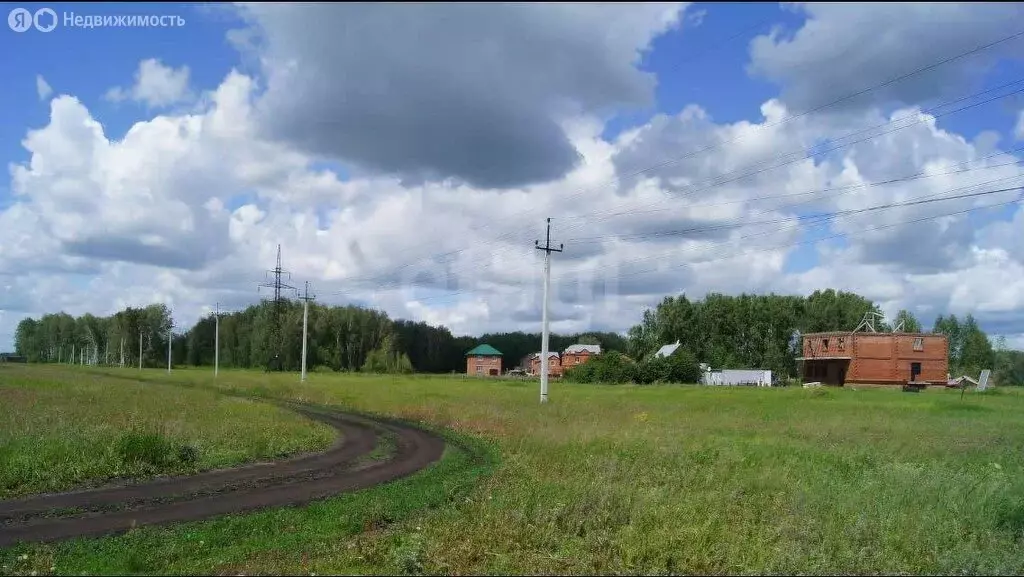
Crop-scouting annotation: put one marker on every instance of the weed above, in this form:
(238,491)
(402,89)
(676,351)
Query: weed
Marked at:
(145,448)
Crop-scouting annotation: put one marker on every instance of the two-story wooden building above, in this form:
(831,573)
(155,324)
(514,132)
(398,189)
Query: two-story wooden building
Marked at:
(838,358)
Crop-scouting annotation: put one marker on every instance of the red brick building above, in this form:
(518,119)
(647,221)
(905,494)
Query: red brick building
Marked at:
(554,364)
(838,358)
(579,354)
(484,360)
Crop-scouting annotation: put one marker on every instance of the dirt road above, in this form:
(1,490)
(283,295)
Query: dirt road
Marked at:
(115,509)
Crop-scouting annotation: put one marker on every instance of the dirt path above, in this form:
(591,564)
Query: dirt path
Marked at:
(295,481)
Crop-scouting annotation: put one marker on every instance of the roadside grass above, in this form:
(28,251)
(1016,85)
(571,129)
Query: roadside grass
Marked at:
(61,429)
(626,479)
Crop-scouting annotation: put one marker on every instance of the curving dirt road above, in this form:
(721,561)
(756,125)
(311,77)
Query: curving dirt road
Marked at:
(116,509)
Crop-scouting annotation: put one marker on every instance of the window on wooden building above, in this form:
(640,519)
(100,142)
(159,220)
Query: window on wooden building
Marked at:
(919,344)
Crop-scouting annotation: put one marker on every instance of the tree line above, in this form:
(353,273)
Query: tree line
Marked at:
(744,331)
(764,331)
(340,338)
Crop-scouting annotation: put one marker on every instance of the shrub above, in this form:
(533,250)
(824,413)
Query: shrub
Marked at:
(145,448)
(610,367)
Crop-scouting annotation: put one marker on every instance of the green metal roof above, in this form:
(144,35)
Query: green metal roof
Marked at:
(484,351)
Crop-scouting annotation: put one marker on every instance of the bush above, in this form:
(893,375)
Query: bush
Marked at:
(139,448)
(610,367)
(680,367)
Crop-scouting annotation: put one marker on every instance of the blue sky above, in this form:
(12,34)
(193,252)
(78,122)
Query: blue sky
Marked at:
(703,61)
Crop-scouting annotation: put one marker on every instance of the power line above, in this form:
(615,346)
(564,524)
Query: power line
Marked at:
(277,284)
(852,234)
(813,219)
(548,249)
(727,226)
(305,322)
(788,119)
(783,160)
(916,176)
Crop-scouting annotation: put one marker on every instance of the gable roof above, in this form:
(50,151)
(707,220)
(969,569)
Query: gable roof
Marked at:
(550,355)
(592,349)
(484,351)
(667,350)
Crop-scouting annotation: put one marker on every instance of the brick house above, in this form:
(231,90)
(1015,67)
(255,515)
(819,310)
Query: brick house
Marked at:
(483,360)
(837,358)
(579,354)
(554,364)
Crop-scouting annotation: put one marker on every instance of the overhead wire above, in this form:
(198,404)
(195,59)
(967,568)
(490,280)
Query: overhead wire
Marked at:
(763,126)
(783,246)
(919,120)
(927,199)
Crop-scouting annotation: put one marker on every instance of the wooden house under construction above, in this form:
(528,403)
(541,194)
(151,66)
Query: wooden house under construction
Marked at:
(875,358)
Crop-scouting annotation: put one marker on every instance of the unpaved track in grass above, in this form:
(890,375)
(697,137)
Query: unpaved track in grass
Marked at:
(295,481)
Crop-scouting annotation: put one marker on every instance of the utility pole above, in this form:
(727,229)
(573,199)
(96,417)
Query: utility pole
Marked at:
(216,342)
(140,349)
(305,323)
(544,316)
(277,284)
(122,352)
(170,339)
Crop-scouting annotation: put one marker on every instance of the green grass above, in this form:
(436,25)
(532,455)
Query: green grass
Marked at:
(62,429)
(623,479)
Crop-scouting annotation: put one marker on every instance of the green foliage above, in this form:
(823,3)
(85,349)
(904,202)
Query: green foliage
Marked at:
(680,367)
(614,368)
(387,360)
(1008,369)
(611,367)
(910,323)
(341,338)
(145,448)
(746,331)
(970,350)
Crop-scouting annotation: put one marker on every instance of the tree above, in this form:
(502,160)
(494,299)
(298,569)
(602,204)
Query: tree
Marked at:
(909,321)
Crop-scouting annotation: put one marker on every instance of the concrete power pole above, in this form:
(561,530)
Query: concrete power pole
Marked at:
(305,323)
(140,349)
(544,315)
(216,342)
(170,339)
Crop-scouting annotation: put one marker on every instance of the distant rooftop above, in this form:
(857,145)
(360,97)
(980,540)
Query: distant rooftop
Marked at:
(550,355)
(484,351)
(574,349)
(667,350)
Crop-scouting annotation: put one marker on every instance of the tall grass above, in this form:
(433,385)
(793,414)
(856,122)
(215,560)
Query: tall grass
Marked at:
(624,479)
(61,429)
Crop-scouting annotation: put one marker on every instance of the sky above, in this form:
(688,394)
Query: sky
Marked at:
(406,156)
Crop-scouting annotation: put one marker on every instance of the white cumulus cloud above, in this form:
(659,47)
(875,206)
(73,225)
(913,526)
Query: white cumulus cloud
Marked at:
(156,85)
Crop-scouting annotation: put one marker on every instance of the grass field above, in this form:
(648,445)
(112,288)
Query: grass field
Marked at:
(62,429)
(613,479)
